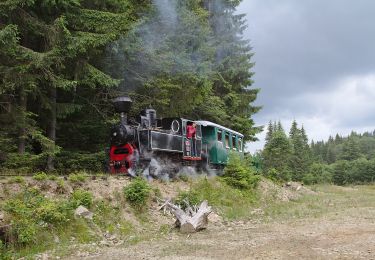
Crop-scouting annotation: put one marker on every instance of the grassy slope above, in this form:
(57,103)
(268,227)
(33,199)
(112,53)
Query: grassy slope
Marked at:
(115,215)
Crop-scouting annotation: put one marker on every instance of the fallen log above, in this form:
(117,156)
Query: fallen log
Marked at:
(192,219)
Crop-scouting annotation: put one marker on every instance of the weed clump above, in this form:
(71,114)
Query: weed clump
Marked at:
(40,176)
(81,197)
(78,177)
(17,179)
(137,193)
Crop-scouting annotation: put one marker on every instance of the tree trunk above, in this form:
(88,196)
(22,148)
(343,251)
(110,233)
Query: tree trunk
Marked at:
(52,128)
(22,129)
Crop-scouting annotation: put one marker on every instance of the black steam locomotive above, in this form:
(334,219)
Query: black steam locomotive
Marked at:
(142,144)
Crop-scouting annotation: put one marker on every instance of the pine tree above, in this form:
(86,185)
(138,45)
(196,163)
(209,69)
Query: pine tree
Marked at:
(270,131)
(350,150)
(276,154)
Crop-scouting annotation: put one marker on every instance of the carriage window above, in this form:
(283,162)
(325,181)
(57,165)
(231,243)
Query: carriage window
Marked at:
(234,144)
(219,136)
(240,144)
(227,140)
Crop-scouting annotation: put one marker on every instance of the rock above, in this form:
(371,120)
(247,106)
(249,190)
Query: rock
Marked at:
(104,243)
(81,211)
(1,217)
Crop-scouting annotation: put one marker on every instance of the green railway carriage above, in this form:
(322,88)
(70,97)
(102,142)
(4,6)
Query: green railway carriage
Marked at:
(219,142)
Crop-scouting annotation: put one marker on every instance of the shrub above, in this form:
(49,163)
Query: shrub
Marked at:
(239,175)
(16,179)
(77,177)
(67,161)
(52,177)
(51,212)
(186,198)
(318,173)
(81,197)
(40,176)
(22,163)
(24,230)
(137,193)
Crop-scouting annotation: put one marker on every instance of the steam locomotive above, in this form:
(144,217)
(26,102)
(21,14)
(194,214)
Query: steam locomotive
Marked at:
(154,146)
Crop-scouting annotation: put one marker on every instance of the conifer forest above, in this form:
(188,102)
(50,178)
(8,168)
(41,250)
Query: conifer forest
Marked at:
(129,129)
(62,62)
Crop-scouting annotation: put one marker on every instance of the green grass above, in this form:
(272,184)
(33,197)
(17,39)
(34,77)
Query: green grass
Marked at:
(230,202)
(328,201)
(16,179)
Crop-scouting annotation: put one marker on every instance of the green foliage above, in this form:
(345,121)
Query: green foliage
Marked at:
(348,148)
(61,187)
(300,158)
(109,218)
(72,161)
(318,173)
(30,212)
(77,177)
(359,171)
(277,176)
(40,176)
(24,230)
(16,179)
(232,203)
(277,153)
(186,198)
(137,193)
(238,174)
(52,212)
(81,197)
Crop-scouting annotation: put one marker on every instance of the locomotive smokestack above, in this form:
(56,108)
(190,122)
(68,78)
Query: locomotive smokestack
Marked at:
(123,106)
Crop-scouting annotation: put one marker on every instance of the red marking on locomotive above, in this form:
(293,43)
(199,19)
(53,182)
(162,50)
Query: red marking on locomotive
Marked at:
(121,158)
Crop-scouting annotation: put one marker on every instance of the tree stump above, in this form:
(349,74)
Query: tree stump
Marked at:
(192,219)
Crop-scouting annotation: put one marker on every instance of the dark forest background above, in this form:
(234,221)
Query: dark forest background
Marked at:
(62,62)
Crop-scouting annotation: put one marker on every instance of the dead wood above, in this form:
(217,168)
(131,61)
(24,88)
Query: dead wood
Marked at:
(192,219)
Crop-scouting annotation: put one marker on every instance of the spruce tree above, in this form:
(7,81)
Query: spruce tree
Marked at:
(276,155)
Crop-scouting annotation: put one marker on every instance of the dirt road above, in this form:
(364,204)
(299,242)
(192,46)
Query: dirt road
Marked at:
(337,223)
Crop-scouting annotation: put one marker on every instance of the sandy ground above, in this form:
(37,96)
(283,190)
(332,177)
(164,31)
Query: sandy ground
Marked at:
(347,232)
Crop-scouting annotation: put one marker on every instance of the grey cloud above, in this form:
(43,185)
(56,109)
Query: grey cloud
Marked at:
(301,45)
(308,47)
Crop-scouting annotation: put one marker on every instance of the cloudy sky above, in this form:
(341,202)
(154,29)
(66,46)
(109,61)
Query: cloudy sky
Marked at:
(315,62)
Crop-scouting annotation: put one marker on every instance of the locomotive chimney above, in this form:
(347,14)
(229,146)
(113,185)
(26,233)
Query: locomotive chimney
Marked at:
(123,106)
